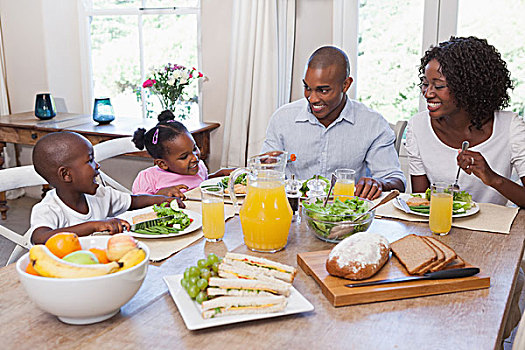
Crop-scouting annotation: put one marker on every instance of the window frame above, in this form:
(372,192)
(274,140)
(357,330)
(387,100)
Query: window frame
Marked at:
(86,11)
(440,20)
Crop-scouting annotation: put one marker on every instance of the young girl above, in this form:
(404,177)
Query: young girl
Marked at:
(176,157)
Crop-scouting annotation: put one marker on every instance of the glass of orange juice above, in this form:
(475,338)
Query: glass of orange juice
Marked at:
(212,213)
(441,200)
(345,184)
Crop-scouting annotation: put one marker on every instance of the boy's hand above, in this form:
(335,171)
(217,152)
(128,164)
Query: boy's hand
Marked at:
(112,226)
(173,191)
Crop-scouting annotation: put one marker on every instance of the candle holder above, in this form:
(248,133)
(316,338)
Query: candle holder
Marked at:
(103,111)
(45,106)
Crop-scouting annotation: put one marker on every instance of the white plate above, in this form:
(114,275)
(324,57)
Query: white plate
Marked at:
(195,224)
(190,310)
(215,181)
(407,196)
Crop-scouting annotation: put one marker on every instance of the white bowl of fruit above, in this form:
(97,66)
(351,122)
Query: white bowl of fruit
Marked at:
(82,287)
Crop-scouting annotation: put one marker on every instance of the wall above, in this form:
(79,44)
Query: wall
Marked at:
(216,17)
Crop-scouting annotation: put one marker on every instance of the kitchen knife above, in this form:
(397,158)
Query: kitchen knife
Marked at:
(149,223)
(443,274)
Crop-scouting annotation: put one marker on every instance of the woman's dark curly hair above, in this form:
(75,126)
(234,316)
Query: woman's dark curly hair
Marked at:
(476,75)
(155,139)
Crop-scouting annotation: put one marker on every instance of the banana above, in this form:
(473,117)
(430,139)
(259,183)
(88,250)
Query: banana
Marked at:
(49,265)
(132,258)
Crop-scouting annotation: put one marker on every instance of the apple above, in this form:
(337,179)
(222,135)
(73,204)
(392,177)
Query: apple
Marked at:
(118,245)
(83,257)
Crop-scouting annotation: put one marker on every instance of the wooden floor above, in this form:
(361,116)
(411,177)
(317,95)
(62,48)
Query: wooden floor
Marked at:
(18,221)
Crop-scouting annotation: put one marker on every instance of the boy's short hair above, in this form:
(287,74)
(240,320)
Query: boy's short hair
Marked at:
(53,151)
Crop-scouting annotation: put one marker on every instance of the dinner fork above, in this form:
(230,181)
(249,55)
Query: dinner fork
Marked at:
(464,147)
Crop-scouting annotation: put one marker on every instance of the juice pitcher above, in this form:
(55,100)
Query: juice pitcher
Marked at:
(266,214)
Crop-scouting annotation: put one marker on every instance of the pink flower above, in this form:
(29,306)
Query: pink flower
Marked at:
(200,75)
(149,83)
(191,76)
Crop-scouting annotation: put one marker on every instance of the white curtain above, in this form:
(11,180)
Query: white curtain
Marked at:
(9,150)
(260,73)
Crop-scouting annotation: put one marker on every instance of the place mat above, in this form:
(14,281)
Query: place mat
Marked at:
(162,248)
(490,218)
(195,195)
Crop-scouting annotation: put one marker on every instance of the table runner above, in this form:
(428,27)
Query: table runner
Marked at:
(490,218)
(162,248)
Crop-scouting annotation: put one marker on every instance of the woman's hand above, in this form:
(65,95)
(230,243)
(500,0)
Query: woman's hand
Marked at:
(474,163)
(173,191)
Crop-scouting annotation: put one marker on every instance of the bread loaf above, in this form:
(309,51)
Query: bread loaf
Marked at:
(359,256)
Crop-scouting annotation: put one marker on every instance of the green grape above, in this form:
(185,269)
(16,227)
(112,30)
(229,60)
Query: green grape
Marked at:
(201,297)
(212,258)
(215,266)
(193,291)
(184,283)
(187,273)
(194,271)
(214,274)
(202,284)
(201,263)
(206,274)
(193,281)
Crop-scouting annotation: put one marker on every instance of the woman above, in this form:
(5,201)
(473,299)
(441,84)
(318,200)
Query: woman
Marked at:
(465,83)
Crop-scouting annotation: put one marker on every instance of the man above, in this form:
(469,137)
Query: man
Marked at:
(328,131)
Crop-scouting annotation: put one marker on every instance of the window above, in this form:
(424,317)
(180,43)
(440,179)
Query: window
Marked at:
(129,38)
(389,52)
(386,39)
(501,24)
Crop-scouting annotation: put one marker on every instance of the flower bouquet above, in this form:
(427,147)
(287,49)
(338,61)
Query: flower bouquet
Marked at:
(168,83)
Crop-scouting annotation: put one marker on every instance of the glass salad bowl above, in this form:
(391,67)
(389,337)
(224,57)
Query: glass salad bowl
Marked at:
(335,222)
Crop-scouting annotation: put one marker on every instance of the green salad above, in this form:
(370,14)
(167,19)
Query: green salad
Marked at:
(323,219)
(241,179)
(179,222)
(462,201)
(304,188)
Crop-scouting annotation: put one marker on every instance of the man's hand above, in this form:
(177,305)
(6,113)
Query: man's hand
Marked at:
(112,226)
(369,188)
(173,191)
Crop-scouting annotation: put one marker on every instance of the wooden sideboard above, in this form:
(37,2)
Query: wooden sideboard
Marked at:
(26,129)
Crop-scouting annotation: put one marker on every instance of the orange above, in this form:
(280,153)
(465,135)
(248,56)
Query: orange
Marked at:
(100,254)
(31,270)
(63,243)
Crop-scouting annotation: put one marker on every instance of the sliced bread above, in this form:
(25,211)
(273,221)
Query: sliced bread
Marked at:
(450,254)
(440,257)
(413,252)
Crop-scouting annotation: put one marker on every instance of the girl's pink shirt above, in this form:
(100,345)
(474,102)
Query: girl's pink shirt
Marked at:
(151,180)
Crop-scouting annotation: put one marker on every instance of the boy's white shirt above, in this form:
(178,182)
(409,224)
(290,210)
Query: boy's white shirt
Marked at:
(52,212)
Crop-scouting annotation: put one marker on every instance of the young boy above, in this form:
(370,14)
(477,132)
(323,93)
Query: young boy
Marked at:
(77,203)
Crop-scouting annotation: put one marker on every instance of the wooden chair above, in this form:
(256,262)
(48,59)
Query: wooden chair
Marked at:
(112,148)
(399,130)
(10,179)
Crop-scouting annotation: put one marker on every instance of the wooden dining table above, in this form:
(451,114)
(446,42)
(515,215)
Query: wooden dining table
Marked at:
(463,320)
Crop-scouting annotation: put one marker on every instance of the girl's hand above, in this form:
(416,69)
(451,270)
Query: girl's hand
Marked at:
(112,226)
(173,191)
(474,163)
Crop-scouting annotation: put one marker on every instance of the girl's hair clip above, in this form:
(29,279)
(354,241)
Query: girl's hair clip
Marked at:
(155,137)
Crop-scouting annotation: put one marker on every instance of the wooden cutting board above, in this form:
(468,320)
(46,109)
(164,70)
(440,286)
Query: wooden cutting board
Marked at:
(313,263)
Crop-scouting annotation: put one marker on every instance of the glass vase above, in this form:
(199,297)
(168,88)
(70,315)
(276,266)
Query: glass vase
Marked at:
(103,111)
(45,106)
